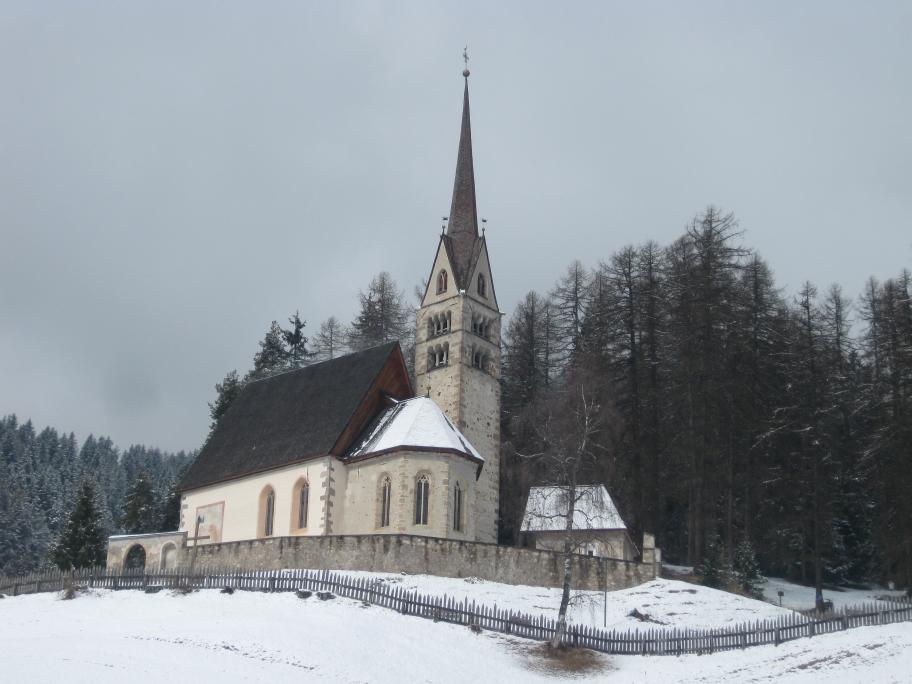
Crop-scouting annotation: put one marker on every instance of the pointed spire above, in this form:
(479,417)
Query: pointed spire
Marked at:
(463,224)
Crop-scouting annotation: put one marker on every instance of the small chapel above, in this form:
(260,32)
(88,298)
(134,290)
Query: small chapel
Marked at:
(352,446)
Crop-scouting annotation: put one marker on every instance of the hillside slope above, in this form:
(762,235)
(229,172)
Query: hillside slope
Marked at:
(252,637)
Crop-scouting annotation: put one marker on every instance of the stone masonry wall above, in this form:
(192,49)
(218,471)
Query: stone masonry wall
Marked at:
(420,555)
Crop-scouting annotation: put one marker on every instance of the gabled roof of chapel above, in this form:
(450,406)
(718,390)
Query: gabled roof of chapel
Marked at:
(546,510)
(301,414)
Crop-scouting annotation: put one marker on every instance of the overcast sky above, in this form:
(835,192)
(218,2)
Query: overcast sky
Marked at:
(175,175)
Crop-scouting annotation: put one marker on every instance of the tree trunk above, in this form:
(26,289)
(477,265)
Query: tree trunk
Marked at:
(568,567)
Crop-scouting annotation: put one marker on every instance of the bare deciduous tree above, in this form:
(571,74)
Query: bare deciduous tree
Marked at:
(573,436)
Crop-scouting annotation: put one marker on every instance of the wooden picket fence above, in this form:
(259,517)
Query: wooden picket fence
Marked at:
(656,641)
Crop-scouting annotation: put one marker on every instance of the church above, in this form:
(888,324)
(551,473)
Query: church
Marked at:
(352,464)
(349,446)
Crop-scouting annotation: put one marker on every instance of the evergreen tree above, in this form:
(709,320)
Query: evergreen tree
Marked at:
(746,570)
(296,342)
(83,541)
(714,569)
(169,512)
(225,393)
(273,356)
(140,512)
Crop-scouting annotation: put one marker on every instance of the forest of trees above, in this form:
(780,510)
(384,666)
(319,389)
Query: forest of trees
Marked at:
(740,413)
(383,315)
(42,474)
(734,416)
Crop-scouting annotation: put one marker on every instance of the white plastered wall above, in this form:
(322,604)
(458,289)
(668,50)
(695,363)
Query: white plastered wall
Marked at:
(241,498)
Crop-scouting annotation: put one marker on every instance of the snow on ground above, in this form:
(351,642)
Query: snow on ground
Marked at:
(799,597)
(254,637)
(672,603)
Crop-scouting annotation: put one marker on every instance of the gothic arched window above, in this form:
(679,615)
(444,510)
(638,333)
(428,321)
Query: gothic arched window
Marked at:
(482,286)
(386,496)
(442,282)
(303,502)
(422,492)
(457,508)
(267,512)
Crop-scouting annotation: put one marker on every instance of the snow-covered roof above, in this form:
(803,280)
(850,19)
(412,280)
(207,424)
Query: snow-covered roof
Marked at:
(546,510)
(414,423)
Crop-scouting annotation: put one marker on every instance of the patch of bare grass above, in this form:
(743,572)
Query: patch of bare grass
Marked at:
(566,662)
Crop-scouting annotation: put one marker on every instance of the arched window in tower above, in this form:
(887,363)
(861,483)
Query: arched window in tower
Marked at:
(479,358)
(457,508)
(480,326)
(438,356)
(386,496)
(442,282)
(439,324)
(482,286)
(422,492)
(267,512)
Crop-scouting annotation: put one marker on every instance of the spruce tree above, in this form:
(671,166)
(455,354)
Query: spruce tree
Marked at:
(140,513)
(225,393)
(82,543)
(169,511)
(746,570)
(273,356)
(296,343)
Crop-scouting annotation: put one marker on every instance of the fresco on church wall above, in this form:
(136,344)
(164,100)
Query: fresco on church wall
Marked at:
(210,522)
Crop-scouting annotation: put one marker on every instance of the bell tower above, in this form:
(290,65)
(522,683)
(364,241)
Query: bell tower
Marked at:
(457,353)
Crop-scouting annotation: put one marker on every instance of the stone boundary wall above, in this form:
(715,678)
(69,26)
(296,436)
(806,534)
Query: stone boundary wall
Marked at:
(417,555)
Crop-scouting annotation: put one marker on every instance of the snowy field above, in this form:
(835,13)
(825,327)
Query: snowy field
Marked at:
(206,636)
(800,597)
(668,603)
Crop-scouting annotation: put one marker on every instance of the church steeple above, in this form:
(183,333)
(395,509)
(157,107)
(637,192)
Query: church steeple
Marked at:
(463,224)
(457,340)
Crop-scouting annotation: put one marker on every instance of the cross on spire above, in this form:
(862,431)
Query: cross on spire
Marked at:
(465,58)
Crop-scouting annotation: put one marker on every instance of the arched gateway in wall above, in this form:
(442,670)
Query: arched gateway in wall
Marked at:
(148,552)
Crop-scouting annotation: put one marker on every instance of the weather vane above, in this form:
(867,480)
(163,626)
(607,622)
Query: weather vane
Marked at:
(465,58)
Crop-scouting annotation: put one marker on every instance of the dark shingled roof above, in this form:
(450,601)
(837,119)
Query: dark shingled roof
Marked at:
(289,417)
(462,229)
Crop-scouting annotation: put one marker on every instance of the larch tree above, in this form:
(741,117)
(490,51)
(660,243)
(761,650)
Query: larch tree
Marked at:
(383,315)
(329,342)
(573,434)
